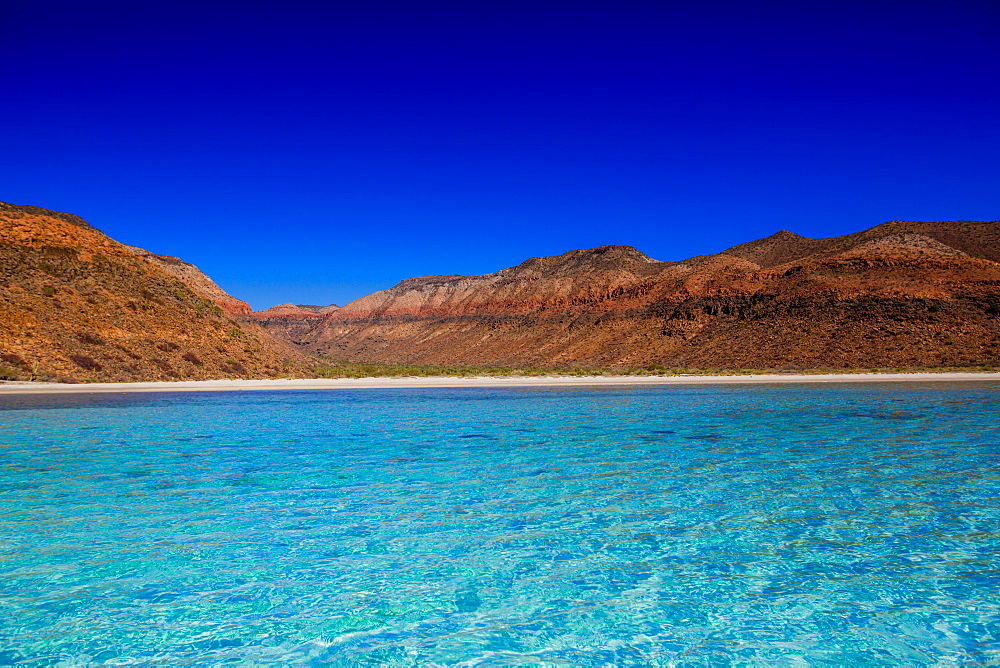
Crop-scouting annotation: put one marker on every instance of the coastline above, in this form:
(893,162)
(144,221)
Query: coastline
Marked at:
(28,387)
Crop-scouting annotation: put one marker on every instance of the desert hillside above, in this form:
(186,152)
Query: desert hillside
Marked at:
(76,305)
(902,294)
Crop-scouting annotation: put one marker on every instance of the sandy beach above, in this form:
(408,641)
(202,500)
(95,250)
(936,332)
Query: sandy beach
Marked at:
(24,387)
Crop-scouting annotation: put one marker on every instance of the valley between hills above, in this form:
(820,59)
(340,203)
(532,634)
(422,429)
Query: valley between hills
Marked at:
(78,306)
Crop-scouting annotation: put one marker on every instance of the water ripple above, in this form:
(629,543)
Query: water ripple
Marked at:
(784,525)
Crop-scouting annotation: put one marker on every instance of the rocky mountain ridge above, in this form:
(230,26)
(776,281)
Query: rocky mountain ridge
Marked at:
(295,311)
(78,305)
(899,294)
(196,279)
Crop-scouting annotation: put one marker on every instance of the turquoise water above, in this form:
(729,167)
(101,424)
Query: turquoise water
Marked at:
(711,525)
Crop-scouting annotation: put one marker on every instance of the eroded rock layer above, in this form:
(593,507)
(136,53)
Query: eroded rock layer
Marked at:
(902,294)
(78,305)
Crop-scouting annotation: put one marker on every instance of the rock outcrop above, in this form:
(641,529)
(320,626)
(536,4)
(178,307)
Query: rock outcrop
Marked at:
(195,279)
(294,311)
(77,305)
(901,294)
(290,322)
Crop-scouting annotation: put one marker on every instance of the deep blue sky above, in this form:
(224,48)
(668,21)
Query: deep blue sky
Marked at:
(314,152)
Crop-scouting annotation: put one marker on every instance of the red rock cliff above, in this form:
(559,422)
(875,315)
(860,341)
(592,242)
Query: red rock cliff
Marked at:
(900,294)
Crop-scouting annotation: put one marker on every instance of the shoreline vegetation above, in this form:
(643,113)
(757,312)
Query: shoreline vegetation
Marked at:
(357,370)
(379,370)
(538,379)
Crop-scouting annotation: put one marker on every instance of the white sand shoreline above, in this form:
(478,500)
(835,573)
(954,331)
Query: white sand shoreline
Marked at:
(26,387)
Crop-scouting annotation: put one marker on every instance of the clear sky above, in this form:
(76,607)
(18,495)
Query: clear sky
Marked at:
(314,152)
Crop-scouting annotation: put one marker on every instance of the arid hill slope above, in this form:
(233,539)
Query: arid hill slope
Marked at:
(78,305)
(899,294)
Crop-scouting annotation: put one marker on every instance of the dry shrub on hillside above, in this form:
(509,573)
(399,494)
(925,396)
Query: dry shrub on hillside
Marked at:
(191,357)
(88,363)
(91,338)
(16,360)
(235,368)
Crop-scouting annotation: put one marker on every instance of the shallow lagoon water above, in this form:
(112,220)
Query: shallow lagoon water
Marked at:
(699,525)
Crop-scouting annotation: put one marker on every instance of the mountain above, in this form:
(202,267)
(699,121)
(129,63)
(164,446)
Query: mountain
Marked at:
(296,311)
(289,322)
(901,294)
(77,305)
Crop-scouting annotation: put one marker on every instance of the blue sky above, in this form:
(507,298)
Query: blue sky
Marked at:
(313,153)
